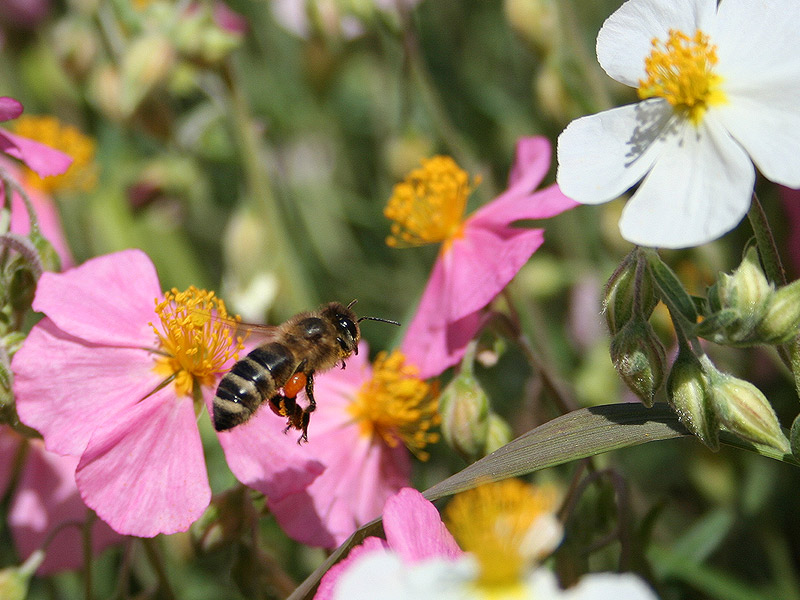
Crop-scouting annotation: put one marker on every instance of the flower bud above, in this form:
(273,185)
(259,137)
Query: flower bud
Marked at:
(464,407)
(688,396)
(14,581)
(498,433)
(639,358)
(745,411)
(746,292)
(782,315)
(536,20)
(619,301)
(223,521)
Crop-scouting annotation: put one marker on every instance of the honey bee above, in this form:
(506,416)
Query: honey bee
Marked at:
(278,370)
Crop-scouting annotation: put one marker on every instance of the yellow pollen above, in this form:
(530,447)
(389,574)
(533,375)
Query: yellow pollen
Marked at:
(428,207)
(681,70)
(494,522)
(195,336)
(397,405)
(82,173)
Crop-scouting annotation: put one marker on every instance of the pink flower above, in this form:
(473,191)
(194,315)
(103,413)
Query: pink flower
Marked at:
(358,434)
(40,158)
(479,255)
(46,214)
(44,499)
(413,530)
(110,376)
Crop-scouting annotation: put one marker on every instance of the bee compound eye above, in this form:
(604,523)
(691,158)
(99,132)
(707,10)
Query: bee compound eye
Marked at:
(342,344)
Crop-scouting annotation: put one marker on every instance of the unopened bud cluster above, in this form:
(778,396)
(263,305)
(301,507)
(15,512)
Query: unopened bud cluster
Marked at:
(706,399)
(746,309)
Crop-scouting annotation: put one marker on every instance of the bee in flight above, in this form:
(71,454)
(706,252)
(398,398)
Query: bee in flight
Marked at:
(278,370)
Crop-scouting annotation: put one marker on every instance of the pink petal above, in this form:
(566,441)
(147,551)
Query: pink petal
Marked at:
(93,384)
(42,159)
(480,265)
(46,214)
(359,476)
(531,163)
(415,530)
(47,497)
(9,108)
(107,300)
(328,583)
(266,459)
(144,472)
(433,345)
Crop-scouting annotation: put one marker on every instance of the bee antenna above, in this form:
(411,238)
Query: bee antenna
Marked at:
(352,302)
(378,319)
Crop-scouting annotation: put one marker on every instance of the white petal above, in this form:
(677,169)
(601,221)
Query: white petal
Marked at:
(602,155)
(759,60)
(626,37)
(610,586)
(699,189)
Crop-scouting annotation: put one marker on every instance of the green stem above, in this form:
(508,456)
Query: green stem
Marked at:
(157,562)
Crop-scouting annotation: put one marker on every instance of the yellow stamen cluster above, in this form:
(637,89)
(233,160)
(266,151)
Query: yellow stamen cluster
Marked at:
(82,173)
(195,336)
(495,522)
(397,405)
(681,70)
(428,207)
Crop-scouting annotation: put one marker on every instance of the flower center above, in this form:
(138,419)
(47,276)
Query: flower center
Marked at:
(397,405)
(681,70)
(82,173)
(428,207)
(507,526)
(196,339)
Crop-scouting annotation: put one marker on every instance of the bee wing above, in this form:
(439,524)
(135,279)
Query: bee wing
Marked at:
(262,333)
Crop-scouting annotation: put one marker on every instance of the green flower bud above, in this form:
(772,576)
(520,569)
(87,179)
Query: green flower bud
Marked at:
(223,521)
(464,407)
(498,433)
(745,411)
(618,304)
(14,581)
(782,315)
(687,393)
(639,358)
(794,437)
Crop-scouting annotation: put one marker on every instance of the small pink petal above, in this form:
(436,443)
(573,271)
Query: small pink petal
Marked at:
(229,20)
(328,583)
(9,108)
(531,162)
(415,530)
(47,497)
(266,459)
(107,300)
(144,473)
(94,384)
(42,159)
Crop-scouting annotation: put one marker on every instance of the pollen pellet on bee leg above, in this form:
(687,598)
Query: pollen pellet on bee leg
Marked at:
(295,385)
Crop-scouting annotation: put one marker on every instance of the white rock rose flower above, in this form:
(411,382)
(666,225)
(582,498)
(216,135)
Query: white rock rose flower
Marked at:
(720,87)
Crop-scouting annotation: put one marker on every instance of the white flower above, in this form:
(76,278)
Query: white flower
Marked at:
(382,575)
(720,87)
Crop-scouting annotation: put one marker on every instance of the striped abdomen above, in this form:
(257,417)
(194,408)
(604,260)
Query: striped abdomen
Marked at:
(250,382)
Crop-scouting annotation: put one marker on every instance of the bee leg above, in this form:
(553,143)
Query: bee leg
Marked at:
(312,403)
(278,405)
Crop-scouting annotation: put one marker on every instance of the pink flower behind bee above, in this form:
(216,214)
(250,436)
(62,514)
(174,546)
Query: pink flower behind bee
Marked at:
(480,259)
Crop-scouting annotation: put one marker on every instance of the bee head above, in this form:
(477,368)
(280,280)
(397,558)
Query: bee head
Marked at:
(345,322)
